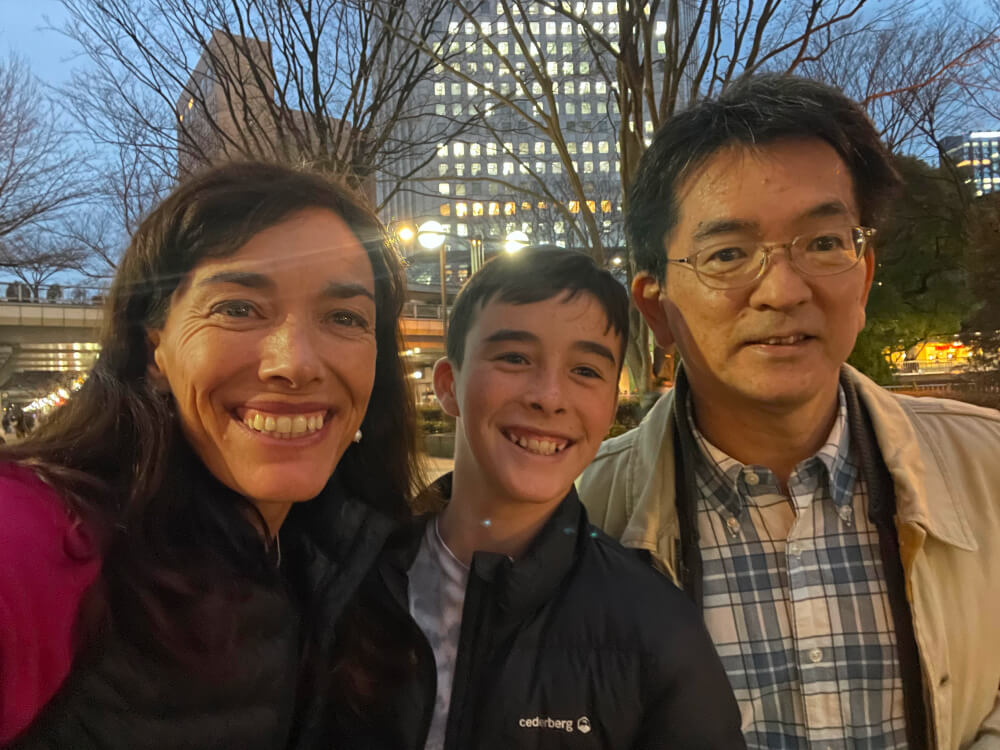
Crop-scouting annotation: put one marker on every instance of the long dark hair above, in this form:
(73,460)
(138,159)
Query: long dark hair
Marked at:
(115,453)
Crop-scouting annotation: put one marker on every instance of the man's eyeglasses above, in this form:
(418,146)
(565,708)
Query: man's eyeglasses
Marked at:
(735,264)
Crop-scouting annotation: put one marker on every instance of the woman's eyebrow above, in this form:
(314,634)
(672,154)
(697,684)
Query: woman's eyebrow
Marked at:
(248,279)
(346,289)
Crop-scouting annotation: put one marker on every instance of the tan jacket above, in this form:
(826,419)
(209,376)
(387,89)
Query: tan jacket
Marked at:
(944,458)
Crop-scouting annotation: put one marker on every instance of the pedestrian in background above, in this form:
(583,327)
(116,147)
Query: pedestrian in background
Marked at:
(843,542)
(179,539)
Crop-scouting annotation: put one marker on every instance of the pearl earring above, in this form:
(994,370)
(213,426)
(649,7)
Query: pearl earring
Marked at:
(357,436)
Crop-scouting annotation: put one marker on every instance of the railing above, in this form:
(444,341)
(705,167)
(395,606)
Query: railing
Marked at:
(15,292)
(18,293)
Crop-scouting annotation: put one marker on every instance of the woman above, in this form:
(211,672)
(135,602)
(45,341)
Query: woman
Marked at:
(164,583)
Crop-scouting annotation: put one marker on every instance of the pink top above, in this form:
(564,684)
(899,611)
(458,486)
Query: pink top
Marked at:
(47,562)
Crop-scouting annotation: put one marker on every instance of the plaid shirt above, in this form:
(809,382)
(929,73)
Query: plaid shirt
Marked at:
(795,599)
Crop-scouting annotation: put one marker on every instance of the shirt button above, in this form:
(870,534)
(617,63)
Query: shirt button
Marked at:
(816,655)
(794,549)
(734,525)
(751,478)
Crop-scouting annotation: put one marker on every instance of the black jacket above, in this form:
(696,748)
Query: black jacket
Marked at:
(122,697)
(578,644)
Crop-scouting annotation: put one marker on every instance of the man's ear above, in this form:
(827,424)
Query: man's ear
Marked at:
(155,375)
(647,294)
(444,386)
(870,266)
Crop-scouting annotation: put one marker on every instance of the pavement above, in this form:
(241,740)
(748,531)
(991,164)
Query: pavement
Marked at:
(435,467)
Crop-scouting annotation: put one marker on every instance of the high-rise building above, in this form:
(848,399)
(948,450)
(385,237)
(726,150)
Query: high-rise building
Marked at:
(977,153)
(229,109)
(502,176)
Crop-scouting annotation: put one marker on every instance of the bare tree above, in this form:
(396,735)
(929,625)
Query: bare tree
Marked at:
(38,175)
(324,82)
(126,189)
(640,67)
(36,258)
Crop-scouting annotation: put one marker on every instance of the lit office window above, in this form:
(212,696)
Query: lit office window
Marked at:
(587,147)
(458,149)
(477,209)
(446,209)
(494,208)
(550,28)
(461,209)
(444,188)
(566,28)
(439,89)
(605,166)
(508,167)
(491,168)
(442,170)
(539,148)
(440,109)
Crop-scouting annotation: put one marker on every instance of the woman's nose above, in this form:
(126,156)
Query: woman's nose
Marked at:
(289,354)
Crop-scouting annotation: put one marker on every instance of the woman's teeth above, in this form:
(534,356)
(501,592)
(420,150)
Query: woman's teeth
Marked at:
(284,426)
(540,446)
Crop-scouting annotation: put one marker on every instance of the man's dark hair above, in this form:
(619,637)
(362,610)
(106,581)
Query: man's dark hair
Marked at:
(756,110)
(535,275)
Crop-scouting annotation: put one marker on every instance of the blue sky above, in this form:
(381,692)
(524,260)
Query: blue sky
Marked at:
(48,52)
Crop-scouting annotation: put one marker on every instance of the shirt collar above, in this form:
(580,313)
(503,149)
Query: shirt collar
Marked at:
(719,475)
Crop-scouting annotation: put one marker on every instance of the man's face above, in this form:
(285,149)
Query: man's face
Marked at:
(535,395)
(779,342)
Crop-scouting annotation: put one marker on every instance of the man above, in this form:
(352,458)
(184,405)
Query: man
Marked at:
(843,543)
(528,628)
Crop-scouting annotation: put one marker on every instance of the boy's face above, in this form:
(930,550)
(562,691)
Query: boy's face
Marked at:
(535,395)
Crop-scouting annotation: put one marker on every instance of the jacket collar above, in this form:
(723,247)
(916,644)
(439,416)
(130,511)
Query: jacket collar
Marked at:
(923,496)
(523,585)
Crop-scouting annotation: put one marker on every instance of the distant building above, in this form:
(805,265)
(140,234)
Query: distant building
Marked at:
(978,154)
(483,185)
(228,110)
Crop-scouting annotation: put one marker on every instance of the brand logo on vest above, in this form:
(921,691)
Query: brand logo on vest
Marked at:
(581,725)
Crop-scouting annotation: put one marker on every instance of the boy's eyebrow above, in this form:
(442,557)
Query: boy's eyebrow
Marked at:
(594,348)
(526,337)
(511,334)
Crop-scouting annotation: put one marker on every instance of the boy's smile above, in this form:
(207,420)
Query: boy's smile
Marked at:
(535,396)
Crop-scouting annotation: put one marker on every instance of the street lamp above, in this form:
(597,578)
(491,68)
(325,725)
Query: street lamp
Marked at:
(431,236)
(516,241)
(406,234)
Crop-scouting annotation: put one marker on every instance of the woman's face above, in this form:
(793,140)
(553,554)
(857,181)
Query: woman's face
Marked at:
(270,356)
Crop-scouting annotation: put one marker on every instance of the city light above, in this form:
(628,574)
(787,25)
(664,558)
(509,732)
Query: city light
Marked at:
(516,241)
(430,235)
(406,234)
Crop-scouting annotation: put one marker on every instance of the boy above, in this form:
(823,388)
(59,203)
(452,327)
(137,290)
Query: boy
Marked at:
(531,628)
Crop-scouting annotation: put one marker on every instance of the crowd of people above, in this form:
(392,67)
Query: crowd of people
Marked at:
(223,539)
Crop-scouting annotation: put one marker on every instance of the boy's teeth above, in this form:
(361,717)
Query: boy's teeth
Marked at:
(541,447)
(284,426)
